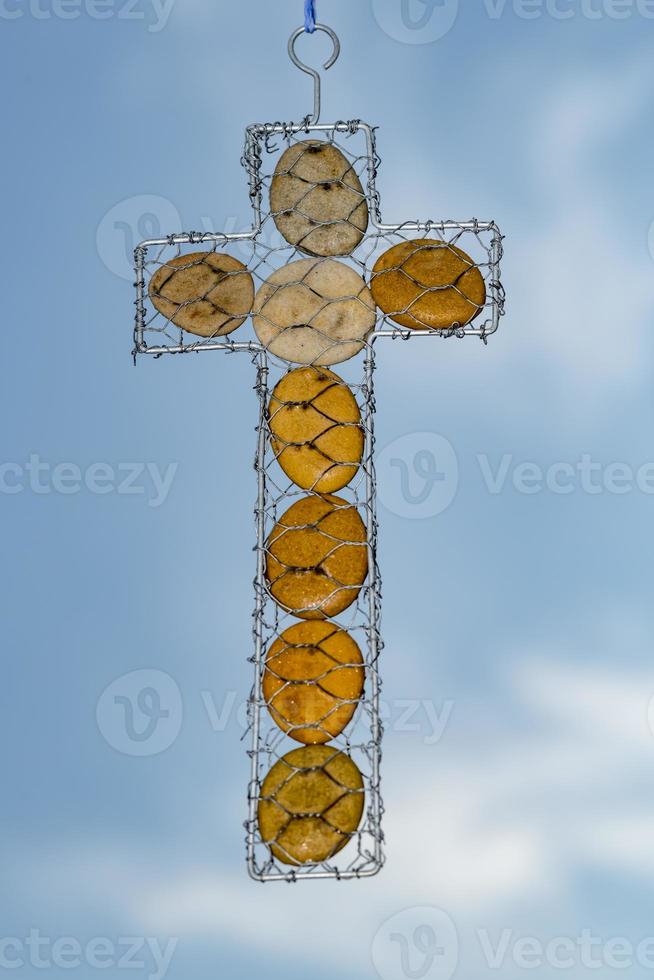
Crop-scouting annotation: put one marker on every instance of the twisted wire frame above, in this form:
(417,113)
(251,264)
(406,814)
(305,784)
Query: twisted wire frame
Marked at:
(339,760)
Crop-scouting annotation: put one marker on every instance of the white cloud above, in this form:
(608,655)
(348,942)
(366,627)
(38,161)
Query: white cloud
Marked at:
(621,843)
(583,290)
(590,701)
(578,279)
(478,828)
(473,831)
(581,114)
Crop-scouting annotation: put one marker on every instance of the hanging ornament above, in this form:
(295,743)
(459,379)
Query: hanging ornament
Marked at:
(313,286)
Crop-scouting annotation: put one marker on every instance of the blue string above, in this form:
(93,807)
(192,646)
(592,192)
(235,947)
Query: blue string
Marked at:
(309,16)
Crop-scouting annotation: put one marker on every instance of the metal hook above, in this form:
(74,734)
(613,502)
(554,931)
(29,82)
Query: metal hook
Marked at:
(311,71)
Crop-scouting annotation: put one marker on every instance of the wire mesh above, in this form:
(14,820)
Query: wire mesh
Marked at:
(357,852)
(304,290)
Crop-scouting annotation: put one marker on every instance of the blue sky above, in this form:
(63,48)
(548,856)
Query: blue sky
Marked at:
(523,619)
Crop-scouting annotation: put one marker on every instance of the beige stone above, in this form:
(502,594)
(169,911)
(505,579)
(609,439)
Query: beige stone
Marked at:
(206,293)
(314,311)
(317,200)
